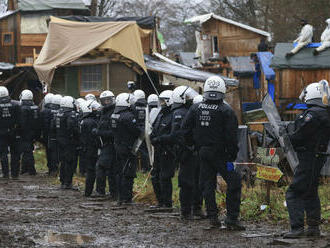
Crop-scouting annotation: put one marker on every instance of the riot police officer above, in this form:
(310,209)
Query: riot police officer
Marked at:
(8,121)
(153,101)
(214,127)
(89,142)
(310,140)
(164,165)
(30,128)
(46,117)
(190,195)
(66,136)
(126,131)
(106,167)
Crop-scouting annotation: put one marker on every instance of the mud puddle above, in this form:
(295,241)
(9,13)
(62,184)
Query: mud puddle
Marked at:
(62,239)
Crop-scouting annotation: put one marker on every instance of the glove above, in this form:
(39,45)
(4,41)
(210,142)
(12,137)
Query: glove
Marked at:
(95,131)
(230,166)
(155,141)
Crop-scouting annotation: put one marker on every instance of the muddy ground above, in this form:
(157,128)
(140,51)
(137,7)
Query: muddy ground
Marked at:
(36,213)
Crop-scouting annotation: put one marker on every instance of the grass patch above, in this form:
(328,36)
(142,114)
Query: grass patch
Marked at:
(252,198)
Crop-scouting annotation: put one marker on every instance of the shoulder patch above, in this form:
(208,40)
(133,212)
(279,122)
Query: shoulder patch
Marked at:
(178,117)
(308,117)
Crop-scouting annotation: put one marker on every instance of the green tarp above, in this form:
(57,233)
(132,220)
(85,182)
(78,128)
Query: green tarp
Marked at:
(304,59)
(37,5)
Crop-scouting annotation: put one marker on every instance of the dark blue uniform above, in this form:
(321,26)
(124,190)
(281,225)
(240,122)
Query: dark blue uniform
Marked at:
(214,127)
(126,131)
(310,140)
(164,165)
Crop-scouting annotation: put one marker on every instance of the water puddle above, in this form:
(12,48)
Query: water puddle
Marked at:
(31,187)
(53,238)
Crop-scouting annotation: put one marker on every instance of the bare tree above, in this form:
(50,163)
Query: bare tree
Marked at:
(102,7)
(3,6)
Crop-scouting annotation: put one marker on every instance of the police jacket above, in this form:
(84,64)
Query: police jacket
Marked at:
(52,124)
(312,130)
(140,111)
(29,121)
(125,128)
(46,116)
(213,124)
(104,126)
(88,140)
(9,113)
(66,123)
(161,132)
(179,112)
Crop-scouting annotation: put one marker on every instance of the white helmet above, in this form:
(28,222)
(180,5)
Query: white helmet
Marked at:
(90,97)
(214,88)
(182,94)
(198,99)
(107,98)
(3,92)
(56,100)
(94,105)
(328,21)
(312,91)
(48,98)
(123,100)
(153,99)
(67,102)
(85,107)
(139,94)
(26,95)
(79,102)
(166,97)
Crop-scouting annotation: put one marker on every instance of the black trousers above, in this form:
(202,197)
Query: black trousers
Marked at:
(302,195)
(161,177)
(144,157)
(191,198)
(212,163)
(15,158)
(126,172)
(14,145)
(67,161)
(83,162)
(90,175)
(53,155)
(27,158)
(106,173)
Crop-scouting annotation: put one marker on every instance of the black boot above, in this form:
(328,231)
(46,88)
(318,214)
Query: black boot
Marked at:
(315,52)
(234,225)
(289,55)
(312,231)
(295,234)
(215,222)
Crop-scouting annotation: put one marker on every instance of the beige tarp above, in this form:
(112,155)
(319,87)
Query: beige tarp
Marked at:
(67,41)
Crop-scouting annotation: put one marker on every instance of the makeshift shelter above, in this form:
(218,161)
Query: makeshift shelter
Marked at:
(293,74)
(68,41)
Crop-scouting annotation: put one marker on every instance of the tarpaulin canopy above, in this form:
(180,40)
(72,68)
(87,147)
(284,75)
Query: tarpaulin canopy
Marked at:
(242,65)
(144,22)
(304,59)
(265,59)
(37,5)
(67,41)
(181,71)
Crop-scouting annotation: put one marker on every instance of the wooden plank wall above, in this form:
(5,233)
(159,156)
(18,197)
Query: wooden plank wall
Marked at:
(233,40)
(7,53)
(289,82)
(248,93)
(233,99)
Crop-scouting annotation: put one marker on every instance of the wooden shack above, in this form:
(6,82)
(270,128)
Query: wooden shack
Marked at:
(295,73)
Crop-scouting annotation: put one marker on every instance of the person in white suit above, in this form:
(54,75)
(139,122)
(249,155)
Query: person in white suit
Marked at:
(325,39)
(304,38)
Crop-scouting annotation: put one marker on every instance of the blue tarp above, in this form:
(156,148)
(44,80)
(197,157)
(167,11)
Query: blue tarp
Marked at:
(310,45)
(271,90)
(296,106)
(265,59)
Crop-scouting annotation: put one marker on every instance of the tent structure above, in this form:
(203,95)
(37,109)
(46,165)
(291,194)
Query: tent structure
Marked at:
(68,41)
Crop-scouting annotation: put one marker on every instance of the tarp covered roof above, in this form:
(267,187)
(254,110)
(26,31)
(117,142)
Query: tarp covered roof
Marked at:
(154,64)
(204,18)
(37,5)
(6,66)
(242,65)
(67,41)
(187,58)
(265,59)
(144,22)
(304,59)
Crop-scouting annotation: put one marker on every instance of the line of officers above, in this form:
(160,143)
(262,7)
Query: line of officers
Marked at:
(196,133)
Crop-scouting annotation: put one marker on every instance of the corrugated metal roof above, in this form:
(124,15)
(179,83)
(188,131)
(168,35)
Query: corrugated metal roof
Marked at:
(38,5)
(203,18)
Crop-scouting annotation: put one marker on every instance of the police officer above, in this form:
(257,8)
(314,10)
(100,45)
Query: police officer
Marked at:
(89,143)
(66,136)
(190,195)
(164,166)
(30,128)
(214,127)
(79,153)
(106,167)
(310,140)
(52,141)
(153,101)
(126,131)
(46,117)
(8,121)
